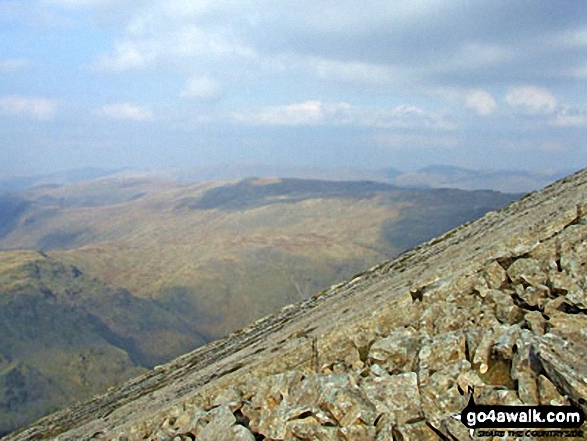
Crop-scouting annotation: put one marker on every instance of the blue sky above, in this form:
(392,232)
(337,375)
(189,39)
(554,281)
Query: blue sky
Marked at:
(154,84)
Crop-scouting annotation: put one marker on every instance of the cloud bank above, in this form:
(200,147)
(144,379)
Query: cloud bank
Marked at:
(406,83)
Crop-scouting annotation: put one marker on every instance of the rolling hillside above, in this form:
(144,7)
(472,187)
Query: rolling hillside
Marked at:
(205,251)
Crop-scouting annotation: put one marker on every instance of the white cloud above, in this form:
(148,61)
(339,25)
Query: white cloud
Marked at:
(571,116)
(571,38)
(148,42)
(38,108)
(14,64)
(306,113)
(203,88)
(407,117)
(126,111)
(127,56)
(533,100)
(315,112)
(481,102)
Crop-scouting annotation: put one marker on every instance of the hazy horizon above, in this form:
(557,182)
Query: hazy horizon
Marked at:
(154,85)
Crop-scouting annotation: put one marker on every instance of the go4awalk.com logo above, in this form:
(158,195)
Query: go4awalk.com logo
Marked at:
(520,421)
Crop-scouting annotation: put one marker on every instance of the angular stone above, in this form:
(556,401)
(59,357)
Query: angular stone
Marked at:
(571,263)
(342,402)
(220,426)
(527,270)
(229,397)
(417,431)
(441,396)
(474,336)
(564,363)
(573,238)
(342,356)
(506,310)
(504,344)
(492,395)
(397,352)
(535,322)
(549,395)
(190,420)
(546,253)
(271,422)
(358,433)
(571,327)
(351,416)
(384,428)
(397,396)
(577,297)
(555,306)
(561,282)
(469,379)
(313,431)
(450,319)
(523,357)
(456,429)
(241,433)
(486,319)
(483,352)
(312,387)
(378,371)
(442,350)
(528,388)
(533,296)
(429,317)
(495,275)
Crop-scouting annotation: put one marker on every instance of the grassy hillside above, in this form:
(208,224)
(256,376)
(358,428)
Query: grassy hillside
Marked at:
(228,253)
(65,336)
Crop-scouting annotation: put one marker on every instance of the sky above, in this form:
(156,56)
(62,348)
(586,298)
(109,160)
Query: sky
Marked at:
(152,84)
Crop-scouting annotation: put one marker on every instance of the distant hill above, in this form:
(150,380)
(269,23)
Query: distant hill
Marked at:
(509,181)
(15,183)
(208,249)
(433,176)
(135,271)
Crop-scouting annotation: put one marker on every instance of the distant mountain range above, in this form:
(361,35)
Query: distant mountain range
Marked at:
(16,183)
(101,279)
(434,176)
(456,177)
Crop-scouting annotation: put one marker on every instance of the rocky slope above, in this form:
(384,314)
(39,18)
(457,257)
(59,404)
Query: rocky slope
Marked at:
(498,304)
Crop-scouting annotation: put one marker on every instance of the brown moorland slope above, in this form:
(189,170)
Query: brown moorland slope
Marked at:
(224,254)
